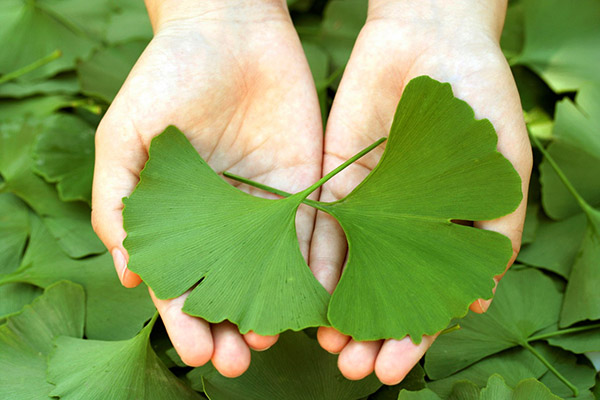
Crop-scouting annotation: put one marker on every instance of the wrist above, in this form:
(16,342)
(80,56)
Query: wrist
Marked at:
(166,12)
(485,16)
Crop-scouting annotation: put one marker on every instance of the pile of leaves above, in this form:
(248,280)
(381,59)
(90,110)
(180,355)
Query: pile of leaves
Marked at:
(69,330)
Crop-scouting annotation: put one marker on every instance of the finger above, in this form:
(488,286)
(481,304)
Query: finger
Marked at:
(190,336)
(357,359)
(258,342)
(231,356)
(397,357)
(331,340)
(119,158)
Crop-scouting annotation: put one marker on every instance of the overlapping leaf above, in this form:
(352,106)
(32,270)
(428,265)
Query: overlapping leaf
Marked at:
(69,223)
(562,42)
(238,252)
(26,340)
(122,370)
(410,270)
(14,230)
(496,389)
(112,311)
(296,368)
(64,153)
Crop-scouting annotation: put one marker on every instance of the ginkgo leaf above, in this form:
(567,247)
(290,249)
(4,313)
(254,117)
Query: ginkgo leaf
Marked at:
(14,230)
(187,227)
(112,311)
(26,340)
(103,74)
(14,296)
(410,270)
(581,340)
(295,368)
(69,223)
(582,297)
(29,30)
(556,245)
(122,370)
(496,389)
(562,42)
(37,106)
(129,22)
(65,83)
(575,147)
(64,153)
(526,302)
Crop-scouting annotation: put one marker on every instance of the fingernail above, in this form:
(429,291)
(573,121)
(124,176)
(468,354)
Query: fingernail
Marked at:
(484,304)
(120,263)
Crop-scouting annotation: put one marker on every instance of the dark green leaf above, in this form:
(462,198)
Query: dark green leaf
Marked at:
(26,340)
(296,368)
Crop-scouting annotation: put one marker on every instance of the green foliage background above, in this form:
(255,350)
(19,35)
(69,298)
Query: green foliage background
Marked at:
(538,341)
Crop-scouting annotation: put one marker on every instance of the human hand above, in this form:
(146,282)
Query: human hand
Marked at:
(451,41)
(233,77)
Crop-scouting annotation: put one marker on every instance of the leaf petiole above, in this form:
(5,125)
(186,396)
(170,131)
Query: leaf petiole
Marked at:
(563,332)
(551,368)
(31,67)
(316,185)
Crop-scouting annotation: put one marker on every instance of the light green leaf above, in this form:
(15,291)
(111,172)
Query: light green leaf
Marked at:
(410,270)
(295,368)
(64,152)
(576,149)
(562,42)
(30,30)
(424,394)
(14,230)
(241,251)
(512,38)
(69,223)
(113,311)
(580,375)
(26,340)
(123,370)
(103,74)
(526,301)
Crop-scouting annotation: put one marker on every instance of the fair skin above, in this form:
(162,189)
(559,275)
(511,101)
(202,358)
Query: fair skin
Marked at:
(214,70)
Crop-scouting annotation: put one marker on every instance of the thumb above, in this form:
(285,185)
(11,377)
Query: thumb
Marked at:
(120,156)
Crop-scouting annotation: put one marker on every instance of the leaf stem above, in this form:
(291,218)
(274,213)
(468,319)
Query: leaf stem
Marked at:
(563,332)
(341,167)
(31,67)
(551,368)
(316,204)
(455,327)
(270,189)
(587,209)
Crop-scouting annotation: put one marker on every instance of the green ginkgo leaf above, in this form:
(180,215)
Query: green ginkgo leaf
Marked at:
(112,311)
(295,368)
(496,389)
(26,340)
(14,230)
(575,147)
(410,269)
(239,251)
(14,296)
(562,42)
(29,30)
(122,370)
(64,153)
(69,223)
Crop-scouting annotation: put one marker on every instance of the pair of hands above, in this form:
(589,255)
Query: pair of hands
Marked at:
(233,77)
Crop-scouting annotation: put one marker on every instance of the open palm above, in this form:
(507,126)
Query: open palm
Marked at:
(390,51)
(238,85)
